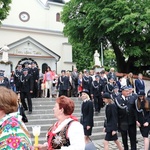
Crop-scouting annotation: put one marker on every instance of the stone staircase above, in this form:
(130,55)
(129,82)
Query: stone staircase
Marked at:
(43,115)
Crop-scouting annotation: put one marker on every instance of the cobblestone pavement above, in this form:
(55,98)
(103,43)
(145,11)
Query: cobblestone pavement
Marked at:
(112,146)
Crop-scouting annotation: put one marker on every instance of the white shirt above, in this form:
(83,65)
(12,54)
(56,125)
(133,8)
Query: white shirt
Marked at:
(75,135)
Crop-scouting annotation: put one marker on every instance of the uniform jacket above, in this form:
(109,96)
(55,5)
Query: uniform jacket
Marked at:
(123,112)
(111,122)
(142,115)
(103,82)
(35,73)
(87,113)
(96,88)
(109,88)
(86,82)
(63,83)
(26,83)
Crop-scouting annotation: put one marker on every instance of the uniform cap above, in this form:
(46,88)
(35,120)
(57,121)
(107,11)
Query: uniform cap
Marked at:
(85,91)
(141,93)
(124,88)
(25,69)
(106,95)
(1,74)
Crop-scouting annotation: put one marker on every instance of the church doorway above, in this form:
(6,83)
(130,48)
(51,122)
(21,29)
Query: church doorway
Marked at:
(28,60)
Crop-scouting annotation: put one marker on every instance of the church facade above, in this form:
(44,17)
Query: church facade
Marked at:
(33,32)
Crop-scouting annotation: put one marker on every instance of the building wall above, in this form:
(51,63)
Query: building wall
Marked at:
(41,26)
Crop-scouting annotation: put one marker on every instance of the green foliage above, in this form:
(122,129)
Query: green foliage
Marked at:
(123,24)
(4,9)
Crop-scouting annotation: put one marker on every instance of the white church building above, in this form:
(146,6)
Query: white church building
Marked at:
(33,32)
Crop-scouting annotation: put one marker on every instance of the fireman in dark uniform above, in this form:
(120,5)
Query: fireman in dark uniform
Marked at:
(126,118)
(26,88)
(18,73)
(63,84)
(35,76)
(96,94)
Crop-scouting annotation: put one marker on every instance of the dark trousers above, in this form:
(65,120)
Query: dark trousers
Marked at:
(132,135)
(98,103)
(35,90)
(62,92)
(29,101)
(74,90)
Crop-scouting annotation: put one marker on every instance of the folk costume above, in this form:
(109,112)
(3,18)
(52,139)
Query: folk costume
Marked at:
(14,134)
(58,136)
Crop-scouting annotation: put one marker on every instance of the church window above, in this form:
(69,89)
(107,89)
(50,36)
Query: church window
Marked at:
(58,17)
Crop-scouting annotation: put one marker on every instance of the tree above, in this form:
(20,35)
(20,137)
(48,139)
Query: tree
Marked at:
(4,9)
(122,24)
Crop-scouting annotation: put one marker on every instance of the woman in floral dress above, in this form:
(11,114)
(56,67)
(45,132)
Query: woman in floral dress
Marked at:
(13,133)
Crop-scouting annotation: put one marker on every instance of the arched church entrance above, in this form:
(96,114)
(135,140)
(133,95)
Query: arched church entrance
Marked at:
(24,60)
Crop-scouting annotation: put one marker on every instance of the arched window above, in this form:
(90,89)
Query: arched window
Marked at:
(58,17)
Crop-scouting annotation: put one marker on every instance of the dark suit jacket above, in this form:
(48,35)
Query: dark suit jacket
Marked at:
(139,86)
(111,122)
(86,82)
(63,83)
(26,83)
(87,114)
(122,113)
(96,88)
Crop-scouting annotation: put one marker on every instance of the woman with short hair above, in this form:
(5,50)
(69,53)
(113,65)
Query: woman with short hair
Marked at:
(67,133)
(13,133)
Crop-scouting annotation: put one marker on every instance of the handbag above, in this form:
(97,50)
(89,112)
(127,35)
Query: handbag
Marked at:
(90,146)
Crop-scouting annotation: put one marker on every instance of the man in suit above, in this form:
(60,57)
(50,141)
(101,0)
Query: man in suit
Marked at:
(96,94)
(126,118)
(63,83)
(26,89)
(139,84)
(87,81)
(74,76)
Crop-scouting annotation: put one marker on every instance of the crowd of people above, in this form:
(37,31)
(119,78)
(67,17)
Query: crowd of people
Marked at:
(126,104)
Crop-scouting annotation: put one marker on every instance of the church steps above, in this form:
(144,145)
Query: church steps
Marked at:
(43,115)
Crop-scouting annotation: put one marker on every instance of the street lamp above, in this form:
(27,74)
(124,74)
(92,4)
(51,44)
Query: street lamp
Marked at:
(100,42)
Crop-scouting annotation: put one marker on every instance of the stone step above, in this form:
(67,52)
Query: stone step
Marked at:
(51,116)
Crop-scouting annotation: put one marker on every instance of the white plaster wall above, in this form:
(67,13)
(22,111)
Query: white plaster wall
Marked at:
(40,17)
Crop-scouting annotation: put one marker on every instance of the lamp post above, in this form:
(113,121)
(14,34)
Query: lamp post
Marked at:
(100,42)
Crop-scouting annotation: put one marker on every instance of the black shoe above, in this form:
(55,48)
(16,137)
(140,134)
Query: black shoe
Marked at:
(25,109)
(30,112)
